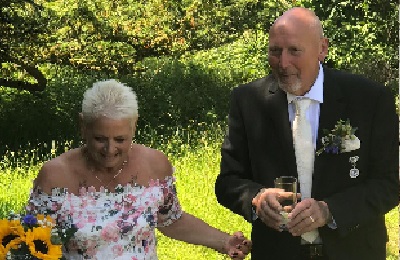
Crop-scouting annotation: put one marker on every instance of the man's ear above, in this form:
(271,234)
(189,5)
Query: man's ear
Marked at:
(323,49)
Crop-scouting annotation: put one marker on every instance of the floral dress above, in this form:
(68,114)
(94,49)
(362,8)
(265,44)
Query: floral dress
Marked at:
(111,225)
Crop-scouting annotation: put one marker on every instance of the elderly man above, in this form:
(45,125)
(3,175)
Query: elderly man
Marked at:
(337,133)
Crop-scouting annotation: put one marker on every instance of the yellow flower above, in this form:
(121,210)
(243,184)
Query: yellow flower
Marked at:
(39,242)
(11,235)
(45,220)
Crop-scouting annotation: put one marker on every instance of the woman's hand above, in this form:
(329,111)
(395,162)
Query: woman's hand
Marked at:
(237,246)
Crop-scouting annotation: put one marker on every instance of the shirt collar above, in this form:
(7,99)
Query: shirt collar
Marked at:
(316,91)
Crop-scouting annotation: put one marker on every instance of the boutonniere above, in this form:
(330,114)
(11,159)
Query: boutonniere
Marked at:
(341,139)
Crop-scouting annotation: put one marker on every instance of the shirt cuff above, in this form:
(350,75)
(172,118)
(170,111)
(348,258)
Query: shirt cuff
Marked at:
(333,224)
(254,214)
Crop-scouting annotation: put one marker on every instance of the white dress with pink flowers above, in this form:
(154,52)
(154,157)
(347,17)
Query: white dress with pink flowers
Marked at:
(111,225)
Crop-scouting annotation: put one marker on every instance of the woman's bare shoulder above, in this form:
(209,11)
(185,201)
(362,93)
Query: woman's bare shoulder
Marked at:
(57,171)
(156,161)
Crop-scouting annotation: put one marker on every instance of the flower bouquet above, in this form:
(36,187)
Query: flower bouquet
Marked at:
(29,237)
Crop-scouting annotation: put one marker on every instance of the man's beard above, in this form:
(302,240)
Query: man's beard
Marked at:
(290,88)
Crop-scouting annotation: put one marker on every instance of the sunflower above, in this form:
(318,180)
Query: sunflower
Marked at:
(38,240)
(11,235)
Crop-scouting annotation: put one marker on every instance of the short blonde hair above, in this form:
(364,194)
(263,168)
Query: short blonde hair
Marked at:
(111,99)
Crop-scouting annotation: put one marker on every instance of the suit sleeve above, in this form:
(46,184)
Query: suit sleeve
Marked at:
(379,193)
(234,187)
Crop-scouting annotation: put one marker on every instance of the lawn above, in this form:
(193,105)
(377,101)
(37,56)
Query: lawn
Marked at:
(196,172)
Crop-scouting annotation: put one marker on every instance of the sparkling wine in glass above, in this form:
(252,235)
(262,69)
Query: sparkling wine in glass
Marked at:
(288,184)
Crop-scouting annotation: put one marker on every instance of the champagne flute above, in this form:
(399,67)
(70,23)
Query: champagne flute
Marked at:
(288,184)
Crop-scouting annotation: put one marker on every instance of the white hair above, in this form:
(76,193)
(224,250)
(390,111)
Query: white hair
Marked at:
(110,99)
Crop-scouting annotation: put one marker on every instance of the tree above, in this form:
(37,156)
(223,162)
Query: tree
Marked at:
(22,23)
(116,36)
(364,36)
(112,36)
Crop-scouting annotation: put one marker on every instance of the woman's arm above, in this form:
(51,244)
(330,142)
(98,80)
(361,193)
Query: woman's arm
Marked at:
(176,224)
(195,231)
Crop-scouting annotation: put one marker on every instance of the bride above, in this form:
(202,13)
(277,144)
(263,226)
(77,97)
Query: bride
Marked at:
(111,193)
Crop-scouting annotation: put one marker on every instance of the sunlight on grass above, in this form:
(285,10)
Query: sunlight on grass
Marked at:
(196,173)
(392,224)
(14,188)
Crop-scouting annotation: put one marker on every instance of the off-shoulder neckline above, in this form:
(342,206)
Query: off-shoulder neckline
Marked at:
(92,190)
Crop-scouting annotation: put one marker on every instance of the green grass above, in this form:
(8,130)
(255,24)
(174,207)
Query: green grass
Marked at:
(196,172)
(14,188)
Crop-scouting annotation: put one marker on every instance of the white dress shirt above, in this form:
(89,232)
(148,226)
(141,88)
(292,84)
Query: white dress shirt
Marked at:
(316,95)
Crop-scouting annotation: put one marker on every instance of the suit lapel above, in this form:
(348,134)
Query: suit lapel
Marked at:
(331,110)
(280,117)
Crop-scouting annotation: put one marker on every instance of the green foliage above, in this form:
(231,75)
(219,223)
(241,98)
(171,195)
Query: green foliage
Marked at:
(36,126)
(176,93)
(115,36)
(364,36)
(182,80)
(174,96)
(241,61)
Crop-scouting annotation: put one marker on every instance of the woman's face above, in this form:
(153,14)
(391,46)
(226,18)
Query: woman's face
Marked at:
(109,140)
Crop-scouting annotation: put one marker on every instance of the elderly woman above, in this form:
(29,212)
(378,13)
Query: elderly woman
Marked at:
(109,195)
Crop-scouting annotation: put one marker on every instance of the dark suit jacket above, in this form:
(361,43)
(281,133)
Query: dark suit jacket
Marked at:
(259,148)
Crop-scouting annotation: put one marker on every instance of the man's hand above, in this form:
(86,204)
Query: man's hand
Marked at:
(308,214)
(268,207)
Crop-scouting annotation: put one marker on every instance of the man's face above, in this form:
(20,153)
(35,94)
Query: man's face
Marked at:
(294,54)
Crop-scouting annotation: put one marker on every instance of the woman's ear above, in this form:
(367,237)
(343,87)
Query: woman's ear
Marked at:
(134,124)
(82,126)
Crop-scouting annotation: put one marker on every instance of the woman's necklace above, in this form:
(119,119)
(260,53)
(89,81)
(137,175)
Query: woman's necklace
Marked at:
(115,176)
(84,151)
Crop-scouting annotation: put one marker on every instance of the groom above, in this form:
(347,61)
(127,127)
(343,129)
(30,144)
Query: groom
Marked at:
(353,179)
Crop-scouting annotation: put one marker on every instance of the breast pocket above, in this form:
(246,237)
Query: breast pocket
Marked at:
(336,172)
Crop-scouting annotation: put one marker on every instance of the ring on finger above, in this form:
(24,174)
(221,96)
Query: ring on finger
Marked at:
(312,219)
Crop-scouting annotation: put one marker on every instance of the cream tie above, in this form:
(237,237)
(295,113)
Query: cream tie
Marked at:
(304,150)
